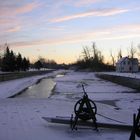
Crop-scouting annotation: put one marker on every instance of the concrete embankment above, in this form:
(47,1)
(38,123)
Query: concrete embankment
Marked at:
(125,81)
(17,75)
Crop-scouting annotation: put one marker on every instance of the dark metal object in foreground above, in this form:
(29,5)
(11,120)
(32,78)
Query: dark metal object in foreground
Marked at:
(136,126)
(66,120)
(84,109)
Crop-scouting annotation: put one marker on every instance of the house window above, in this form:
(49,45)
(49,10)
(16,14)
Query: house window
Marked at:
(124,63)
(128,62)
(135,63)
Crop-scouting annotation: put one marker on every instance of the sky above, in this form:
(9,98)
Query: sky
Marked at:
(59,29)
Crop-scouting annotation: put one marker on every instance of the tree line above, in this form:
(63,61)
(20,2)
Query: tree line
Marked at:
(11,62)
(93,59)
(49,64)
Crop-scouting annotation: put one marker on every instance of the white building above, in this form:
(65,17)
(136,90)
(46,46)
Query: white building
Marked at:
(126,64)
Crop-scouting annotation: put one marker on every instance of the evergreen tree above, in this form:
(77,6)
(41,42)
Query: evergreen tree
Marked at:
(12,63)
(6,60)
(38,65)
(25,64)
(19,62)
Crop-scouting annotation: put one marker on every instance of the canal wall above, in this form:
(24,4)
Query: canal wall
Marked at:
(125,81)
(17,75)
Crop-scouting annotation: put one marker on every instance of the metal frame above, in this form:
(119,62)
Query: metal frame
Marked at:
(85,111)
(136,126)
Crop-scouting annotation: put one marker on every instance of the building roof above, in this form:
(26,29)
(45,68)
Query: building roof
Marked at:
(124,58)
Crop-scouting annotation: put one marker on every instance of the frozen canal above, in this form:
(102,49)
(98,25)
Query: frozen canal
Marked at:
(42,89)
(68,87)
(21,118)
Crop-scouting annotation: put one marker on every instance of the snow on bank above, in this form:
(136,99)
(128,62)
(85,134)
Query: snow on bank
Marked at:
(131,75)
(120,99)
(12,87)
(20,118)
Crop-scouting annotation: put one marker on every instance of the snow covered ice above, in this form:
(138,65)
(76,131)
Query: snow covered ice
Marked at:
(21,118)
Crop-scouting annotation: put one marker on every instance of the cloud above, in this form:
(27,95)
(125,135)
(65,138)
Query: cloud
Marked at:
(11,18)
(130,28)
(8,11)
(113,33)
(59,41)
(27,8)
(95,13)
(57,28)
(5,21)
(14,29)
(85,2)
(119,37)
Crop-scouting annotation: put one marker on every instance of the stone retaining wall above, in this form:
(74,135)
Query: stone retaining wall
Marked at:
(125,81)
(17,75)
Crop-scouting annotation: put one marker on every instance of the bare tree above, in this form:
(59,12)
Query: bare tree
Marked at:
(95,51)
(132,51)
(119,54)
(86,53)
(97,54)
(101,57)
(138,53)
(112,58)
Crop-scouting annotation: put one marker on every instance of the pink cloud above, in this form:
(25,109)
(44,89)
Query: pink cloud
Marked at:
(7,11)
(4,21)
(59,41)
(118,37)
(102,12)
(14,29)
(10,20)
(27,8)
(86,2)
(112,33)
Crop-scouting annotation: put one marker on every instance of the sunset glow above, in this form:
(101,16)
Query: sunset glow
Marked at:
(58,29)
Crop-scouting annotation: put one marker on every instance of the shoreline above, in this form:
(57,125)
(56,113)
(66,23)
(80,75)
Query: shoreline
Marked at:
(19,93)
(37,82)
